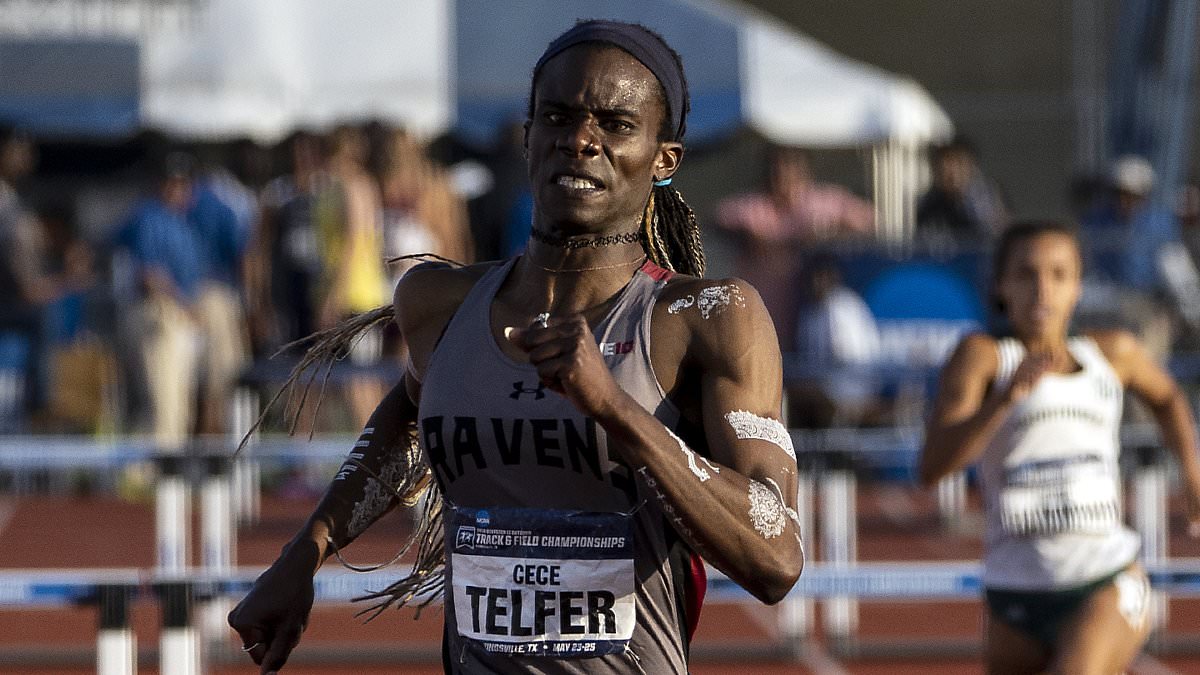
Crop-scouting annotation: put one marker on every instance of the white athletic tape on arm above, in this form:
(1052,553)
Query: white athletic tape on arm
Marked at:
(748,425)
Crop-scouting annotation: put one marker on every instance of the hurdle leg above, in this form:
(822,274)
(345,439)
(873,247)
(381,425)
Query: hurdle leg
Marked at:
(952,497)
(839,540)
(218,542)
(172,515)
(797,612)
(116,644)
(246,473)
(1150,519)
(178,647)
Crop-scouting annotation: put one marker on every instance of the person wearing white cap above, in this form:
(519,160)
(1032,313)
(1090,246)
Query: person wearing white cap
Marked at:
(1128,230)
(1125,241)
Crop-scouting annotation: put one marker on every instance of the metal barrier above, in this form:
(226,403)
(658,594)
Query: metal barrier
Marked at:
(827,476)
(112,591)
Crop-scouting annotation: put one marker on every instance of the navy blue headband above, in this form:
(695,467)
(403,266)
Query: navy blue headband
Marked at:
(642,45)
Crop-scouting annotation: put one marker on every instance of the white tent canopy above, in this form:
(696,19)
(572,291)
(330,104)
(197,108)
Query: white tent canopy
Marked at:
(265,67)
(744,70)
(797,91)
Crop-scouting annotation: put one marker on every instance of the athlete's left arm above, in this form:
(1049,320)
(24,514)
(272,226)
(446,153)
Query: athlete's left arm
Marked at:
(1158,390)
(738,510)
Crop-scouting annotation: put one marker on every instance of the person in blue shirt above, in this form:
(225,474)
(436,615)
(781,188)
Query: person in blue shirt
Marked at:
(222,238)
(163,277)
(1126,242)
(1127,232)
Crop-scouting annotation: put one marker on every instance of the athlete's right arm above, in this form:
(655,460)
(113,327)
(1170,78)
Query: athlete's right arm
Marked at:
(964,416)
(272,616)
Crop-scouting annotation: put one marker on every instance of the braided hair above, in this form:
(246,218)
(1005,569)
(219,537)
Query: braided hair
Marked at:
(670,235)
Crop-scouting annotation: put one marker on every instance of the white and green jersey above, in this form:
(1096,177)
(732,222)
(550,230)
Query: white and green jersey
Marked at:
(1051,480)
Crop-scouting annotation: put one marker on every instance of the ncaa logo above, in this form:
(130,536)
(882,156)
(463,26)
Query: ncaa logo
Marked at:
(465,538)
(482,519)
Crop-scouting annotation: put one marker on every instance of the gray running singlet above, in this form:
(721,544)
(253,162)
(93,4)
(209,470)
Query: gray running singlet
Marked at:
(556,560)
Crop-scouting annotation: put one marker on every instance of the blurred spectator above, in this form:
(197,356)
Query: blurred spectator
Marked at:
(773,228)
(30,279)
(1126,232)
(421,212)
(349,233)
(285,271)
(222,234)
(962,204)
(1186,281)
(350,242)
(1187,212)
(837,342)
(82,370)
(1127,241)
(500,219)
(166,270)
(1088,192)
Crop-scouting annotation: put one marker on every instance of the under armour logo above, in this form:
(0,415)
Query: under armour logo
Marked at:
(539,392)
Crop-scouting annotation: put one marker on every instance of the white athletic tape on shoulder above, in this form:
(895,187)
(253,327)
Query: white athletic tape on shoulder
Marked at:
(748,425)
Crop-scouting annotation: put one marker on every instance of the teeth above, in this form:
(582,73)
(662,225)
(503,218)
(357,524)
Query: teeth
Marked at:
(576,183)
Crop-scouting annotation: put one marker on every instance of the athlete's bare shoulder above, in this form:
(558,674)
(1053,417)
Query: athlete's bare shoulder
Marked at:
(975,358)
(714,316)
(1115,343)
(425,300)
(434,290)
(1120,348)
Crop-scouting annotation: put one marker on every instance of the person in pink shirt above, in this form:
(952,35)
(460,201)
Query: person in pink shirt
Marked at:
(797,213)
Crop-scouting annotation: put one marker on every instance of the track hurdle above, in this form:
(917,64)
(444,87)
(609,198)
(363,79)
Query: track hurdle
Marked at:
(218,537)
(116,644)
(179,643)
(112,591)
(839,538)
(1150,491)
(172,514)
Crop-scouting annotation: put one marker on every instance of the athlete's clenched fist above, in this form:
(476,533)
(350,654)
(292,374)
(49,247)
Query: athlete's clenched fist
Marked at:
(568,362)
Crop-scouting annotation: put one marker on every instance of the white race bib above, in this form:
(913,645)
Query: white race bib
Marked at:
(1074,494)
(542,582)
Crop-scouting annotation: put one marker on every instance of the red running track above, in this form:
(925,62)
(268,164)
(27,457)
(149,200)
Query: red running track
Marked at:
(895,523)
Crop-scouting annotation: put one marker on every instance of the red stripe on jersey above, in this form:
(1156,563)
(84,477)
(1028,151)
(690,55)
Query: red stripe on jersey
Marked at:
(655,272)
(697,585)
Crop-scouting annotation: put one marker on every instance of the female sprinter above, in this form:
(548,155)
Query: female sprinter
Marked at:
(593,413)
(1040,411)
